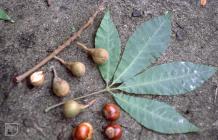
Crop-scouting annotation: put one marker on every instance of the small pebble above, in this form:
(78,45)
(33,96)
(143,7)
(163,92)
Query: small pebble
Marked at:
(136,13)
(49,50)
(181,35)
(28,122)
(215,123)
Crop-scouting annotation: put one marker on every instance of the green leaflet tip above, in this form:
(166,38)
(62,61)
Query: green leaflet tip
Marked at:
(106,14)
(107,11)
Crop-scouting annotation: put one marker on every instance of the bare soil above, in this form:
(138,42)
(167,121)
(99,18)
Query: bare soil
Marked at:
(39,29)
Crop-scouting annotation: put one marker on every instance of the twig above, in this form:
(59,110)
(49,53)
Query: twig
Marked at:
(63,46)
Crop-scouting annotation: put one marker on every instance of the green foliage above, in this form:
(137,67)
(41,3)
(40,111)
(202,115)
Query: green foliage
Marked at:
(146,44)
(154,115)
(169,79)
(4,16)
(107,37)
(143,47)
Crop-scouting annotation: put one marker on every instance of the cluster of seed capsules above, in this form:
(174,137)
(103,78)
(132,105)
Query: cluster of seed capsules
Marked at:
(60,87)
(71,108)
(113,131)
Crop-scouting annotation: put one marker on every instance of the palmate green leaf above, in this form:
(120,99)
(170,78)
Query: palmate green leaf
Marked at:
(169,79)
(107,37)
(154,115)
(146,44)
(4,16)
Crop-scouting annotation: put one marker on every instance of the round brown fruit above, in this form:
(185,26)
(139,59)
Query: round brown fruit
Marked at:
(84,131)
(111,112)
(113,131)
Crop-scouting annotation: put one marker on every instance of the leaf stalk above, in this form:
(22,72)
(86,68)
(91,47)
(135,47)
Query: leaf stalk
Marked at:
(81,97)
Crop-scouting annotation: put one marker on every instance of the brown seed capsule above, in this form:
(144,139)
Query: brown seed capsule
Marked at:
(73,108)
(60,87)
(99,55)
(113,131)
(84,131)
(77,68)
(111,111)
(37,78)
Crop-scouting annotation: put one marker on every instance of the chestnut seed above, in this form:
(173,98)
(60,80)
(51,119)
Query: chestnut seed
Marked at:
(111,112)
(84,131)
(37,78)
(113,131)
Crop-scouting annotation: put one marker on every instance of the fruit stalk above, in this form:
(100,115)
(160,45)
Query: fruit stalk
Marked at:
(81,97)
(63,46)
(54,72)
(89,104)
(60,60)
(83,46)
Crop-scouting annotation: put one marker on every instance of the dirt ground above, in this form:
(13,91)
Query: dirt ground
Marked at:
(40,29)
